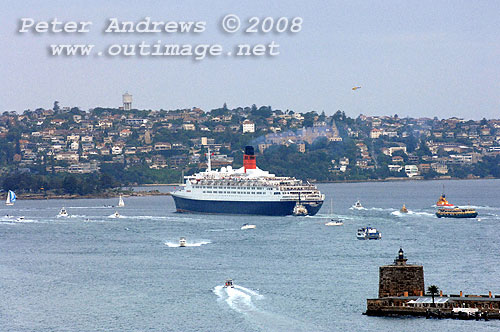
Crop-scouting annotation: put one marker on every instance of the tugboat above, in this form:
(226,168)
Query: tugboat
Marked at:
(63,213)
(182,242)
(229,283)
(368,233)
(404,209)
(299,210)
(357,205)
(443,202)
(456,213)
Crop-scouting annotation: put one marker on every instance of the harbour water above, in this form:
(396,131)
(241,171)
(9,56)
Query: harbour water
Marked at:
(92,272)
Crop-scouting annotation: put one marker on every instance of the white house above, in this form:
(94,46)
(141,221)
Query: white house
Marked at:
(248,126)
(411,170)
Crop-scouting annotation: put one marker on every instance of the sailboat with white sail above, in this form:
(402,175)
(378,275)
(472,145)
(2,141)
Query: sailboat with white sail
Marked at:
(121,203)
(333,221)
(11,198)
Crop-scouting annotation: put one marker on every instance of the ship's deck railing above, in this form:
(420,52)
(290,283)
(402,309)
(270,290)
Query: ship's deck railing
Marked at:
(303,197)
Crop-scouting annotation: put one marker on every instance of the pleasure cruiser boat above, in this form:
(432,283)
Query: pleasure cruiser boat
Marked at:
(456,213)
(368,233)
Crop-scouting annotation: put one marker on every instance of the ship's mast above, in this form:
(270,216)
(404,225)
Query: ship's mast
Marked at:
(209,163)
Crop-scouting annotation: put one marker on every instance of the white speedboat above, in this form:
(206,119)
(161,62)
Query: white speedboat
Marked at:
(368,233)
(229,283)
(357,205)
(21,218)
(248,226)
(182,242)
(63,213)
(115,215)
(334,222)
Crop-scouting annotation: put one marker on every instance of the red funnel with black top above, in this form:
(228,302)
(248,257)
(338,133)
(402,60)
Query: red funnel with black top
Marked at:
(249,158)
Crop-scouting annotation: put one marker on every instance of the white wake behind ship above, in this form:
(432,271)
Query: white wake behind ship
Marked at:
(247,190)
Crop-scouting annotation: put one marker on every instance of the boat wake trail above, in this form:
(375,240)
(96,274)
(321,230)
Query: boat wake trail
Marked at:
(412,213)
(244,301)
(16,220)
(379,209)
(188,244)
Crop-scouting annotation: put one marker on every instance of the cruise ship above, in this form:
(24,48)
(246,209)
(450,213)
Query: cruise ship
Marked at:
(247,190)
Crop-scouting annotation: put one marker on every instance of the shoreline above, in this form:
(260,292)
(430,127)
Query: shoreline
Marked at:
(92,196)
(396,179)
(29,196)
(389,179)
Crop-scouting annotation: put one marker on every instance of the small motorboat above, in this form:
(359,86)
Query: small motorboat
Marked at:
(357,205)
(63,213)
(334,222)
(229,283)
(21,218)
(248,226)
(116,215)
(368,233)
(182,242)
(300,210)
(403,209)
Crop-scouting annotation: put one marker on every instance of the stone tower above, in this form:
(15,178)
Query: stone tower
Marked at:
(401,279)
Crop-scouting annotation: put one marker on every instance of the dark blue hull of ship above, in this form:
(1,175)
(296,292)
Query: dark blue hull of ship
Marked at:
(238,207)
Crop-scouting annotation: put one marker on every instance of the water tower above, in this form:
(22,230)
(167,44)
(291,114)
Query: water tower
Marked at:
(127,101)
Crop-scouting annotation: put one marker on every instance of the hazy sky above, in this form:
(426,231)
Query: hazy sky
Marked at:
(413,58)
